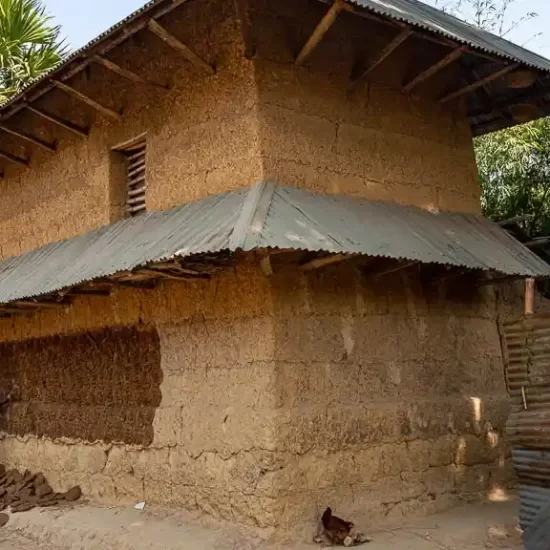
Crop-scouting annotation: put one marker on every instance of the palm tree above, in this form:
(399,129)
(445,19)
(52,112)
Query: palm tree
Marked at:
(29,44)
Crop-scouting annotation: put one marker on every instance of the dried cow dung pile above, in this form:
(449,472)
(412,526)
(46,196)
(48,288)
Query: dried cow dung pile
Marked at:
(25,491)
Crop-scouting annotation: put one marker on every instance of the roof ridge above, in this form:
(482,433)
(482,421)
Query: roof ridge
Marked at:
(248,229)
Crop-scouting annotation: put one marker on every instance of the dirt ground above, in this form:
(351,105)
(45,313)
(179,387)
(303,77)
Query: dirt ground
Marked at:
(489,526)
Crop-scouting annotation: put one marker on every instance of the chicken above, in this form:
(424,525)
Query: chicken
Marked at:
(336,529)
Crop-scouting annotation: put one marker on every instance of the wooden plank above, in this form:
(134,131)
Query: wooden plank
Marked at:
(434,69)
(28,137)
(323,261)
(87,100)
(385,53)
(15,159)
(322,28)
(75,129)
(242,7)
(125,73)
(479,83)
(174,43)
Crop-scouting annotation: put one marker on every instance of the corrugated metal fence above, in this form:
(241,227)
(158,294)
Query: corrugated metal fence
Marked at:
(528,428)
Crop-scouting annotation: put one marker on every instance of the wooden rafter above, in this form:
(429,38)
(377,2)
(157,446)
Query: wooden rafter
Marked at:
(122,33)
(179,46)
(322,28)
(89,101)
(15,159)
(242,7)
(401,266)
(386,52)
(42,304)
(74,128)
(479,83)
(125,73)
(434,69)
(324,261)
(28,137)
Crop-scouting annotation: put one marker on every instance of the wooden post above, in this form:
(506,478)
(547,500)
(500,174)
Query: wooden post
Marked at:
(529,296)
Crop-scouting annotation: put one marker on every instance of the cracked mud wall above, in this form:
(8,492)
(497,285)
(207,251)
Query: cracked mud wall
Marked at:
(213,423)
(390,396)
(282,395)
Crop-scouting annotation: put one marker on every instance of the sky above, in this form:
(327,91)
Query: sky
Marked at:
(83,20)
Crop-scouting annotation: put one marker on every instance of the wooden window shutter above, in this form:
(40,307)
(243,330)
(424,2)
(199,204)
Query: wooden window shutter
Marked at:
(135,152)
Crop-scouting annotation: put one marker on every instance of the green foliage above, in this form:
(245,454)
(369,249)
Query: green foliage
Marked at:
(29,44)
(514,174)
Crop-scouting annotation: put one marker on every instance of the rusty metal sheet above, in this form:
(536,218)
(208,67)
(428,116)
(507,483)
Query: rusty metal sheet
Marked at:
(269,216)
(537,534)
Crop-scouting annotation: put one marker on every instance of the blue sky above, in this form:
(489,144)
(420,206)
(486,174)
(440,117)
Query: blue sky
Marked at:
(84,20)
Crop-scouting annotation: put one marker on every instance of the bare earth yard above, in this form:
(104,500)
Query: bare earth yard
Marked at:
(472,527)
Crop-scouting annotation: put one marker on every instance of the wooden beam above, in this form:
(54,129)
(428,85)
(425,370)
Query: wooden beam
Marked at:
(434,69)
(85,99)
(386,52)
(75,129)
(118,35)
(394,269)
(88,292)
(539,241)
(15,159)
(242,7)
(125,73)
(16,311)
(174,43)
(39,304)
(479,83)
(324,260)
(322,28)
(515,219)
(166,275)
(28,137)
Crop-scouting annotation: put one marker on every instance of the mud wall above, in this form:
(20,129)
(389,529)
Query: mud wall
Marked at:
(252,120)
(321,131)
(282,395)
(390,396)
(200,133)
(207,445)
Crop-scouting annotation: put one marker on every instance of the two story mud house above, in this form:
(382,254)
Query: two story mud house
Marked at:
(243,266)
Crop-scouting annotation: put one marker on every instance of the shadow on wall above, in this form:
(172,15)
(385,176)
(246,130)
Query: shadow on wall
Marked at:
(102,385)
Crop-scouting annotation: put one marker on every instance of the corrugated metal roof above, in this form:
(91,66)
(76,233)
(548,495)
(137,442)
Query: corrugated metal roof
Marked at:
(433,20)
(410,11)
(269,216)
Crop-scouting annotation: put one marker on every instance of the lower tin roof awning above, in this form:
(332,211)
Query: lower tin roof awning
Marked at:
(262,217)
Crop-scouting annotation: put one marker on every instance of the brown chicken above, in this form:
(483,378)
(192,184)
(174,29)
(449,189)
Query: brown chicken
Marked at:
(336,529)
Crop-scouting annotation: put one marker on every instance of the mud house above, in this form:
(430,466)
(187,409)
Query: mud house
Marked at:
(243,267)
